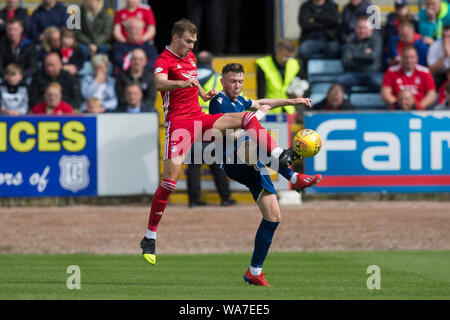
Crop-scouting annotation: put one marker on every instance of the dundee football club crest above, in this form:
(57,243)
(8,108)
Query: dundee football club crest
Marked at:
(74,172)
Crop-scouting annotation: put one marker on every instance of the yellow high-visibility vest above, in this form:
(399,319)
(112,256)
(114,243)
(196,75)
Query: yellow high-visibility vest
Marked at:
(212,83)
(275,86)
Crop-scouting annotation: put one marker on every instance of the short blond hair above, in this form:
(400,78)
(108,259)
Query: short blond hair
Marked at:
(94,100)
(98,59)
(55,85)
(13,68)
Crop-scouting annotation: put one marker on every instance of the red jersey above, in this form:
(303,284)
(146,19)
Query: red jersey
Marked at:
(419,82)
(181,103)
(442,93)
(143,12)
(62,108)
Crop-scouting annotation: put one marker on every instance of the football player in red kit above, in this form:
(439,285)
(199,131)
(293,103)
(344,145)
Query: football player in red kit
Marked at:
(175,75)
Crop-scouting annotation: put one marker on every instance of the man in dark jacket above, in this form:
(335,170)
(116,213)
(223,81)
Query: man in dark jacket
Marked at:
(95,33)
(15,48)
(53,72)
(361,58)
(319,20)
(136,73)
(49,13)
(12,10)
(352,11)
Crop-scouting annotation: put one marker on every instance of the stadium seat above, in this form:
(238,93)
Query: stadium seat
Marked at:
(360,89)
(320,87)
(317,97)
(324,70)
(367,101)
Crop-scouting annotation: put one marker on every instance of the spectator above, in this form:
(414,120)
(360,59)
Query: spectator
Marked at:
(49,13)
(12,10)
(432,18)
(133,99)
(442,93)
(52,103)
(405,101)
(394,19)
(71,54)
(353,10)
(319,21)
(407,37)
(50,42)
(122,51)
(335,100)
(62,42)
(134,9)
(445,104)
(438,57)
(209,79)
(275,73)
(13,92)
(95,33)
(94,105)
(208,15)
(411,76)
(53,72)
(361,59)
(100,85)
(136,73)
(15,47)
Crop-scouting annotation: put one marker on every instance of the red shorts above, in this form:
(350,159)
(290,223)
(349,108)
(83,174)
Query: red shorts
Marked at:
(181,134)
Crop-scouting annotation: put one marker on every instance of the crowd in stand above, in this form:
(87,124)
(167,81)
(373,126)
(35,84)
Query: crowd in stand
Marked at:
(407,59)
(102,66)
(105,65)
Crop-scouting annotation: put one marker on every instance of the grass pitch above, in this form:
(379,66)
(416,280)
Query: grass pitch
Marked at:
(293,275)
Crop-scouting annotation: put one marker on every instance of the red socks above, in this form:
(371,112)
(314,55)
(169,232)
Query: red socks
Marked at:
(159,202)
(258,133)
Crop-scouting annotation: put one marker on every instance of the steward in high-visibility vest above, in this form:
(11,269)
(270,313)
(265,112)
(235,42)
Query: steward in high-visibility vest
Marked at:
(275,73)
(276,86)
(212,83)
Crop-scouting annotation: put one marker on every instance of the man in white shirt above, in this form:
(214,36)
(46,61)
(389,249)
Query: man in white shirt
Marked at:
(438,57)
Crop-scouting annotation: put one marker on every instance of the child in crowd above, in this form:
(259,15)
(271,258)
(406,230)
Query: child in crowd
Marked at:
(71,55)
(94,105)
(13,92)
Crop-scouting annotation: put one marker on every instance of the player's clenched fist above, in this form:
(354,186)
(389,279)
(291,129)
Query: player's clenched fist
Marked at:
(190,83)
(211,94)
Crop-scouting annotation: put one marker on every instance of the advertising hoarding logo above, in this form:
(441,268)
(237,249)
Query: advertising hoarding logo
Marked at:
(74,172)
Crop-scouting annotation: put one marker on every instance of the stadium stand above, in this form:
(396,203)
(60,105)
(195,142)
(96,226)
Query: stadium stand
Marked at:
(322,70)
(367,101)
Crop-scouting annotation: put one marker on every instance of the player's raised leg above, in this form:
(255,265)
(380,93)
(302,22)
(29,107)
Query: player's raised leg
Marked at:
(268,204)
(259,134)
(172,169)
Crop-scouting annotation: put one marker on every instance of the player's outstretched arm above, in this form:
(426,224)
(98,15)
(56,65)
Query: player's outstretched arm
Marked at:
(206,96)
(162,83)
(275,103)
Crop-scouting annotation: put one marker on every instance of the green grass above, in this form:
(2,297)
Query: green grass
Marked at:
(293,275)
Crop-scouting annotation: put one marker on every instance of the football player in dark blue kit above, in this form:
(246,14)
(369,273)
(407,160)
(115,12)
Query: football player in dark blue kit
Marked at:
(239,166)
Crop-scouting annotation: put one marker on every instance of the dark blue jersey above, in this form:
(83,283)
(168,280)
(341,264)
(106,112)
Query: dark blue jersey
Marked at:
(256,177)
(221,103)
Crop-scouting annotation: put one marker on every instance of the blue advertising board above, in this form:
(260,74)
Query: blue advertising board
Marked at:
(48,156)
(381,152)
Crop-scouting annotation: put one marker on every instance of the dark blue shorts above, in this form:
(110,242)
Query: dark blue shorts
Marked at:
(256,181)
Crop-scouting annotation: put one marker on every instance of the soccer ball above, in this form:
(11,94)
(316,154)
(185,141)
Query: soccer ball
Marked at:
(307,143)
